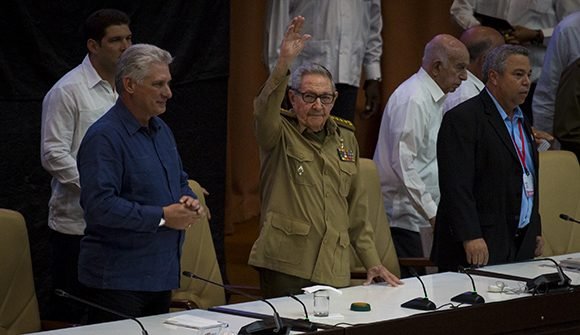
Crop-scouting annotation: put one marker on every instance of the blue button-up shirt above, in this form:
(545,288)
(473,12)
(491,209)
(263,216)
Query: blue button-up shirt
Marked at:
(513,130)
(128,173)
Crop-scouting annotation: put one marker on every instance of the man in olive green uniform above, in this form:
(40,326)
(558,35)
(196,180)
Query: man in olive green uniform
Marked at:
(313,200)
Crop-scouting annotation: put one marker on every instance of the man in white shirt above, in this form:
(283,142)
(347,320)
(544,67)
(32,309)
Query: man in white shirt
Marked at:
(346,39)
(406,154)
(479,40)
(564,50)
(533,23)
(78,99)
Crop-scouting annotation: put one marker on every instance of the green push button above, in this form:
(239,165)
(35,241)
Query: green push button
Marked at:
(360,307)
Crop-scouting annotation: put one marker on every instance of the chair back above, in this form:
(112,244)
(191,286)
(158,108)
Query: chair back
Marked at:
(198,256)
(559,191)
(378,220)
(18,304)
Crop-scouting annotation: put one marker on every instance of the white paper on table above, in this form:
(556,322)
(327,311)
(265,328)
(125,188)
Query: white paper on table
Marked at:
(195,322)
(315,288)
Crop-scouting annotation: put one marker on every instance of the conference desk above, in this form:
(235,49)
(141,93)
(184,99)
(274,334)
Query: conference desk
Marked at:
(553,313)
(502,312)
(154,325)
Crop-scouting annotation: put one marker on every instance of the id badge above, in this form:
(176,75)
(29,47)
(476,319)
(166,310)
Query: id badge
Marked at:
(529,184)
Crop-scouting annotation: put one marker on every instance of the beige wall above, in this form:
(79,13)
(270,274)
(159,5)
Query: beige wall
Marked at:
(407,26)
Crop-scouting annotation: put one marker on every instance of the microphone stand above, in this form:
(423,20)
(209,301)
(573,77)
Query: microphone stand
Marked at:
(303,325)
(265,327)
(549,281)
(540,284)
(420,303)
(469,297)
(64,294)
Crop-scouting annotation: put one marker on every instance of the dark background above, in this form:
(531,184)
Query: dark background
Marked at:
(42,40)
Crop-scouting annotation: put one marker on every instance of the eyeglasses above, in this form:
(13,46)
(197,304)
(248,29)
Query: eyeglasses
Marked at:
(325,99)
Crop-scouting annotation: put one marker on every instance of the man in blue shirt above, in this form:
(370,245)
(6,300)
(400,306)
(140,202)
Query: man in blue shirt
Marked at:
(134,193)
(488,164)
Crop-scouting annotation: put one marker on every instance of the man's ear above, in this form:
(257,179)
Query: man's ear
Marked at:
(492,77)
(291,97)
(436,67)
(129,85)
(92,45)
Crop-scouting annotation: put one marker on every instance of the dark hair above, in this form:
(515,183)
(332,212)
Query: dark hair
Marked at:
(99,21)
(496,58)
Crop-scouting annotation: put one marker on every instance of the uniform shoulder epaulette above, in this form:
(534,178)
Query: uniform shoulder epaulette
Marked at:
(344,123)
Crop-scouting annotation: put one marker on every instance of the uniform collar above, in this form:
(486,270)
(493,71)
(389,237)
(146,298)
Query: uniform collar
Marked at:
(330,126)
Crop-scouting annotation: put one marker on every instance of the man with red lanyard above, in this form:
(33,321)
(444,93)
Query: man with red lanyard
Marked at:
(487,161)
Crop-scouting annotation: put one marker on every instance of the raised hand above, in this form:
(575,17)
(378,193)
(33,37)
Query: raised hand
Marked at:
(293,42)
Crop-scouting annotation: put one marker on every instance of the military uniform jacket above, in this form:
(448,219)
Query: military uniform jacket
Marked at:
(313,203)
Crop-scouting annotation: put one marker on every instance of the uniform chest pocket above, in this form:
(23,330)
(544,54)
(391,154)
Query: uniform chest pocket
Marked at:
(347,172)
(302,167)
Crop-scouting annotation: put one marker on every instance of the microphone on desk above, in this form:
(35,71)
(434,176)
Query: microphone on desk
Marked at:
(469,297)
(64,294)
(305,310)
(540,284)
(419,303)
(257,327)
(568,218)
(549,281)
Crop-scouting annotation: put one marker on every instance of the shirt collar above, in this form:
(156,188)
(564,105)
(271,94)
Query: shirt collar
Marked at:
(130,122)
(518,115)
(436,93)
(476,81)
(93,78)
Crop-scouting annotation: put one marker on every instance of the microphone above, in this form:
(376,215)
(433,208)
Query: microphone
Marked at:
(256,327)
(469,297)
(568,218)
(303,306)
(540,284)
(419,303)
(303,324)
(64,294)
(549,281)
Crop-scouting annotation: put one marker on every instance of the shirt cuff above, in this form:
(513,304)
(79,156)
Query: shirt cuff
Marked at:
(431,210)
(372,71)
(162,221)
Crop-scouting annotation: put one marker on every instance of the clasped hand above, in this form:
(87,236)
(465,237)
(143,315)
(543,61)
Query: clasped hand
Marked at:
(183,214)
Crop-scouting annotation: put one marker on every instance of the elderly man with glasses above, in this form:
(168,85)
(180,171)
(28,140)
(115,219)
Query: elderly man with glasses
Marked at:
(313,202)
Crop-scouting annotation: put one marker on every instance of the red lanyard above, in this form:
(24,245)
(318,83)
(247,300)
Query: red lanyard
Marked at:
(522,153)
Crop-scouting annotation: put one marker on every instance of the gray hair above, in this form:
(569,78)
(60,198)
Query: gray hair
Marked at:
(496,58)
(135,63)
(310,68)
